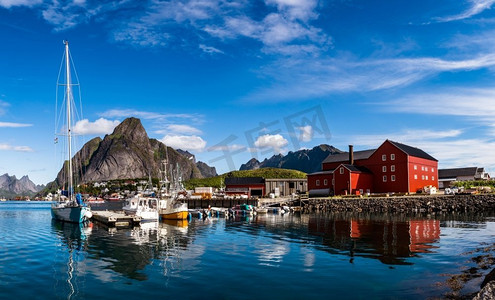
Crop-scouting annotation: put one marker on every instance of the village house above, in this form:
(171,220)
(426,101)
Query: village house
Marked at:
(447,176)
(392,167)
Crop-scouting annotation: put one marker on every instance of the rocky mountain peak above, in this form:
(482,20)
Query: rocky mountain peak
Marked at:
(306,160)
(131,129)
(128,153)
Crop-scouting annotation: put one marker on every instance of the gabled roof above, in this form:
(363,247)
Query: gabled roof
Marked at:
(344,157)
(456,172)
(321,173)
(412,151)
(355,169)
(244,180)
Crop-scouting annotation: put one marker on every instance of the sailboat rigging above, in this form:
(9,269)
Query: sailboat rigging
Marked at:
(70,207)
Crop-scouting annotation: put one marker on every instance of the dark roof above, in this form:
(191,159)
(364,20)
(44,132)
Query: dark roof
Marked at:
(412,151)
(358,169)
(453,173)
(344,157)
(244,180)
(321,173)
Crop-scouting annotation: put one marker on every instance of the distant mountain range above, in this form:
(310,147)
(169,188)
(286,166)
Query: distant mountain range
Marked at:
(10,186)
(129,153)
(307,160)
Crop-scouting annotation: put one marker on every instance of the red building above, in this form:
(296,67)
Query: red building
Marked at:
(250,186)
(392,167)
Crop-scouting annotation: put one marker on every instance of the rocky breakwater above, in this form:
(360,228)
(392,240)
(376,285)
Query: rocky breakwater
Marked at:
(404,204)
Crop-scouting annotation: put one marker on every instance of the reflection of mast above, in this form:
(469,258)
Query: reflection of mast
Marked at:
(70,269)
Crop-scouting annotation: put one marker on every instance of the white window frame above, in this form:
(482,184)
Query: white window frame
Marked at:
(384,178)
(392,177)
(422,177)
(415,176)
(392,168)
(432,177)
(415,167)
(426,177)
(317,182)
(325,182)
(392,156)
(384,157)
(341,170)
(433,169)
(384,168)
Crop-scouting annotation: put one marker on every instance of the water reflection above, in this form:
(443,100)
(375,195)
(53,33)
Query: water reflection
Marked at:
(74,238)
(390,240)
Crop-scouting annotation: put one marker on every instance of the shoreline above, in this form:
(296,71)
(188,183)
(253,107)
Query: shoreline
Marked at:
(404,204)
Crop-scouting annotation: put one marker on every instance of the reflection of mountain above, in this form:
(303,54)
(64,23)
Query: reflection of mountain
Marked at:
(127,252)
(390,241)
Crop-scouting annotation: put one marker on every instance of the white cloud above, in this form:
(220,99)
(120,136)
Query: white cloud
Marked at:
(450,147)
(183,129)
(185,142)
(302,78)
(3,107)
(473,103)
(210,50)
(100,126)
(14,125)
(124,113)
(7,147)
(11,3)
(307,133)
(232,147)
(274,141)
(476,7)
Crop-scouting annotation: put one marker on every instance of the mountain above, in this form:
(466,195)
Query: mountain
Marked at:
(10,186)
(307,160)
(125,154)
(206,171)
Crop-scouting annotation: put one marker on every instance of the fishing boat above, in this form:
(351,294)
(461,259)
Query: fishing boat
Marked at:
(171,205)
(70,206)
(142,206)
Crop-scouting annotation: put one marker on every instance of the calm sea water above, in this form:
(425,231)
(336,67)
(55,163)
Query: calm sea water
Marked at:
(338,256)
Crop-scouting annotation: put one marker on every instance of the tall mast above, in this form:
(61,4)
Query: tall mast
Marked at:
(69,133)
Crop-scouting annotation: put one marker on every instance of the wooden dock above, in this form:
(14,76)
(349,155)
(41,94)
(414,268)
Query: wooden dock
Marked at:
(225,203)
(116,219)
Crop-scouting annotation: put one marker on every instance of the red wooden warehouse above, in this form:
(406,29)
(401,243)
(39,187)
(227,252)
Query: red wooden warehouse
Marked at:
(392,167)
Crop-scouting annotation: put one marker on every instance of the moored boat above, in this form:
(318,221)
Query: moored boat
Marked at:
(70,207)
(141,206)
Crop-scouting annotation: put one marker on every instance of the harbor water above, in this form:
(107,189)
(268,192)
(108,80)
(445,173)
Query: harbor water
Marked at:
(291,256)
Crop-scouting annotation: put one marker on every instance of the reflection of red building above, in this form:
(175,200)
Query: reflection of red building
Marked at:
(422,234)
(392,167)
(389,241)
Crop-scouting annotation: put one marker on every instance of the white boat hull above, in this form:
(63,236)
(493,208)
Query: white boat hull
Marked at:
(143,207)
(72,214)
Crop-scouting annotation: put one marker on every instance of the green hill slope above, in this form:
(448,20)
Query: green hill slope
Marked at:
(217,181)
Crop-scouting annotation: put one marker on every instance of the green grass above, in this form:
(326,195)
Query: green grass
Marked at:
(474,183)
(267,173)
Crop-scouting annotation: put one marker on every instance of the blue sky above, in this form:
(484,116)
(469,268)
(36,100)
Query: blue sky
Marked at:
(232,80)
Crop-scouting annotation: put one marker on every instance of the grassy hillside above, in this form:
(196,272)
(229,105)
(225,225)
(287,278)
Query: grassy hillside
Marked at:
(271,173)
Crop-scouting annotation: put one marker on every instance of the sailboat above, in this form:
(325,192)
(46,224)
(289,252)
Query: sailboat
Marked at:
(69,207)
